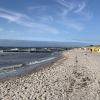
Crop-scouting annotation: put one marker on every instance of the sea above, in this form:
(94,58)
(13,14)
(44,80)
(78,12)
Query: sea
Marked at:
(16,63)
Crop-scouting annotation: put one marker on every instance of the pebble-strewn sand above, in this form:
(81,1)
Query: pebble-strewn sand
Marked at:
(76,76)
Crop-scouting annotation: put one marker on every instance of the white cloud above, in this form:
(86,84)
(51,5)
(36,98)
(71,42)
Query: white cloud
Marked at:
(80,8)
(12,16)
(71,7)
(8,17)
(66,4)
(65,10)
(36,7)
(41,13)
(26,21)
(66,7)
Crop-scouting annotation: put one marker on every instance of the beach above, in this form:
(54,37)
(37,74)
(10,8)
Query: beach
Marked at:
(75,76)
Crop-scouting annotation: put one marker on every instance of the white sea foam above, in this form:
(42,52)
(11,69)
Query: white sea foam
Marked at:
(30,63)
(37,62)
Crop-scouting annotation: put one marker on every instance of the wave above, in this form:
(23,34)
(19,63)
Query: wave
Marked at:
(7,68)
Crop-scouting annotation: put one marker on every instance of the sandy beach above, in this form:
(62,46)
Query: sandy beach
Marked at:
(76,76)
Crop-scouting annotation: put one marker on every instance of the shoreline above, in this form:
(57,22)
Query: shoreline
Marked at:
(75,76)
(17,71)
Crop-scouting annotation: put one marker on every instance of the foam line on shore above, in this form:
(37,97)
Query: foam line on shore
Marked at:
(37,62)
(12,72)
(30,63)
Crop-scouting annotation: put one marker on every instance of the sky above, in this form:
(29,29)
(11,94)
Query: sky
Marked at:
(50,20)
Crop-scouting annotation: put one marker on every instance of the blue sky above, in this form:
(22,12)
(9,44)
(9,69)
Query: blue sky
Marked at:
(50,20)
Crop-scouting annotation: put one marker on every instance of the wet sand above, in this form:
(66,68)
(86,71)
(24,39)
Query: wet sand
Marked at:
(76,76)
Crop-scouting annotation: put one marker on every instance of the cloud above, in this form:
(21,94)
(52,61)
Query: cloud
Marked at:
(71,7)
(36,7)
(74,13)
(80,7)
(26,21)
(70,14)
(41,13)
(66,7)
(12,16)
